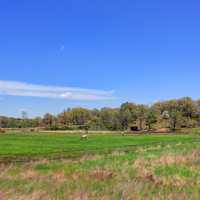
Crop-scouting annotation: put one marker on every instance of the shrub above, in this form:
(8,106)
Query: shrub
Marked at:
(2,130)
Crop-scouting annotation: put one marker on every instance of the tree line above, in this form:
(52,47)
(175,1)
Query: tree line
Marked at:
(173,114)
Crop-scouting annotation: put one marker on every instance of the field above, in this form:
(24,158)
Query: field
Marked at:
(106,166)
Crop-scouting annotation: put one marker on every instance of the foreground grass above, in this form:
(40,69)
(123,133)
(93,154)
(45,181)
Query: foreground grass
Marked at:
(166,167)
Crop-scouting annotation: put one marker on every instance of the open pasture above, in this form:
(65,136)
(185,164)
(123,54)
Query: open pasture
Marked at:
(106,167)
(29,146)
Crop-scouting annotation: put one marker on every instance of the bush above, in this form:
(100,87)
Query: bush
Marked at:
(63,128)
(189,123)
(2,130)
(196,131)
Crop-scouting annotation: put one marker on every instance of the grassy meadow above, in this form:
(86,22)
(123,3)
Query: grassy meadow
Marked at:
(106,166)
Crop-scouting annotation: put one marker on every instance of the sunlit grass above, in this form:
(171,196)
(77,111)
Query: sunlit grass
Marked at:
(167,169)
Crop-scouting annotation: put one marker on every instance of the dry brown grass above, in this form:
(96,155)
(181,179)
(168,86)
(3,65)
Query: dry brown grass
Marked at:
(102,174)
(175,181)
(2,130)
(30,174)
(58,177)
(3,195)
(167,159)
(128,179)
(79,196)
(37,195)
(145,169)
(78,175)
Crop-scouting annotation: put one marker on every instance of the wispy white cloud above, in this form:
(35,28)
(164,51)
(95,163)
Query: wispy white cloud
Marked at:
(71,93)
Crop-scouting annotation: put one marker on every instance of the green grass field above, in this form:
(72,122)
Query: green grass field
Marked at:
(27,146)
(104,167)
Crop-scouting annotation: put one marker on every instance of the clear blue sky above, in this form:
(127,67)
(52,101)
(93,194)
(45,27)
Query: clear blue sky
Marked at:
(142,50)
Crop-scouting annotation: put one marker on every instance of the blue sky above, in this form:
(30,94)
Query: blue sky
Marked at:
(121,50)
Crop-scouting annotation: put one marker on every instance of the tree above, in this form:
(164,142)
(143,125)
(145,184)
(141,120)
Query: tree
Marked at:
(49,120)
(109,119)
(151,118)
(128,114)
(141,115)
(25,122)
(197,114)
(80,116)
(186,106)
(24,115)
(37,122)
(174,113)
(175,117)
(65,118)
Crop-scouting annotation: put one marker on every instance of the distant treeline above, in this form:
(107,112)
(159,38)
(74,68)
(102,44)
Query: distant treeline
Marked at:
(173,114)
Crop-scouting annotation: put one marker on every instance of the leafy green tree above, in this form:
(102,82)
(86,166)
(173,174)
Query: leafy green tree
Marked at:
(151,118)
(49,120)
(128,114)
(80,116)
(183,112)
(65,117)
(197,112)
(25,122)
(109,118)
(186,106)
(175,117)
(141,115)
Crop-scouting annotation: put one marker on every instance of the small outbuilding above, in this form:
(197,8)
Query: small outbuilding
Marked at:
(134,128)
